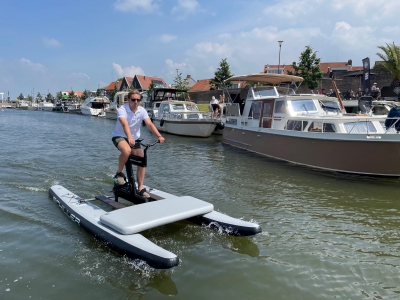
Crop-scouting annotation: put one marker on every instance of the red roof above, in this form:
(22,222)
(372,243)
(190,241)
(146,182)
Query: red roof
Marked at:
(201,85)
(323,66)
(145,81)
(111,86)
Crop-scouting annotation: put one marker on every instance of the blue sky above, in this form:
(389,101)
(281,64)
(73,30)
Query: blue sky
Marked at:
(48,46)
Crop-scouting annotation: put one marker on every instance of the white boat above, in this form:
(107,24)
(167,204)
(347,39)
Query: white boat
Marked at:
(22,104)
(46,106)
(183,118)
(95,106)
(73,107)
(312,130)
(120,98)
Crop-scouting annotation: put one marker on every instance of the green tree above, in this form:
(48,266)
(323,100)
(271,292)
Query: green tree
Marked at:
(85,95)
(115,90)
(49,97)
(39,96)
(391,61)
(221,74)
(181,84)
(21,97)
(98,92)
(152,86)
(59,95)
(308,68)
(71,95)
(30,98)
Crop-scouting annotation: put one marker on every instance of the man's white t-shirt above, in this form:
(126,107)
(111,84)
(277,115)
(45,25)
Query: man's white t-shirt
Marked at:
(134,120)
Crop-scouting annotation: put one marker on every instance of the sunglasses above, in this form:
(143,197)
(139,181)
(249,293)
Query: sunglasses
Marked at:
(135,100)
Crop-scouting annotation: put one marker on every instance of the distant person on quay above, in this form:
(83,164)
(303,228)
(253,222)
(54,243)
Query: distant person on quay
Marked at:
(127,129)
(215,106)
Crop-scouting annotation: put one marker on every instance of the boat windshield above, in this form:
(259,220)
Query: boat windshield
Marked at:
(303,106)
(192,107)
(178,107)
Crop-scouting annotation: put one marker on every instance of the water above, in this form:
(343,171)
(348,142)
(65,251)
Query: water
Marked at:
(326,235)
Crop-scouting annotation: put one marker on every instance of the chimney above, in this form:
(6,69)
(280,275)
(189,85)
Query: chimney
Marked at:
(350,62)
(188,76)
(144,77)
(294,63)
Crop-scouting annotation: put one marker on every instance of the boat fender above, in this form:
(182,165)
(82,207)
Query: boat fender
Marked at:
(220,125)
(162,122)
(395,114)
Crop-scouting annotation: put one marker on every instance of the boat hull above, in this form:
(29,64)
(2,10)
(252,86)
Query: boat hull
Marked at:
(112,115)
(87,216)
(351,155)
(186,127)
(88,111)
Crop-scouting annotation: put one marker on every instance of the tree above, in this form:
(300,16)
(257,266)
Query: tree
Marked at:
(152,86)
(98,92)
(21,97)
(181,84)
(30,98)
(391,61)
(221,74)
(59,95)
(308,68)
(85,95)
(49,97)
(39,96)
(71,95)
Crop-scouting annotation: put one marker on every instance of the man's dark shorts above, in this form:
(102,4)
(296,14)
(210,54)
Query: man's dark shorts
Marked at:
(117,139)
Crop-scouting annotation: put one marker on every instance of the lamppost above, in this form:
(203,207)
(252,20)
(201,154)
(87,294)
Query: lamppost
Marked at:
(177,72)
(279,63)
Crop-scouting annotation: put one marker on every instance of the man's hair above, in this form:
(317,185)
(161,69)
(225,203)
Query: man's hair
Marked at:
(133,92)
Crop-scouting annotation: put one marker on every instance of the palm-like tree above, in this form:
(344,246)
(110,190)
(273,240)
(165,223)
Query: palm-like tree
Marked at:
(391,61)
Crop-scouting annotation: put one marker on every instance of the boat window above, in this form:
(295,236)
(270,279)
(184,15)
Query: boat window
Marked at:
(178,107)
(303,106)
(255,110)
(264,91)
(390,130)
(164,108)
(192,107)
(322,127)
(359,127)
(296,125)
(280,107)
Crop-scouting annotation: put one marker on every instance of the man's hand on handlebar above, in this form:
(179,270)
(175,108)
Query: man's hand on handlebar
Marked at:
(161,139)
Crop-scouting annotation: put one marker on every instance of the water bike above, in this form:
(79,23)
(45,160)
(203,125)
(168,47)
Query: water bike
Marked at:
(121,226)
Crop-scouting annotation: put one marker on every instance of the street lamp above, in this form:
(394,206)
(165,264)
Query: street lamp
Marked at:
(279,63)
(177,72)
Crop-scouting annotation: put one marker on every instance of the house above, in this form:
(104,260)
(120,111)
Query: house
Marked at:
(326,67)
(142,82)
(201,85)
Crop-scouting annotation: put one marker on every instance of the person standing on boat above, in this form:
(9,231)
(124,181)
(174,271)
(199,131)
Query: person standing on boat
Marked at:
(127,129)
(215,106)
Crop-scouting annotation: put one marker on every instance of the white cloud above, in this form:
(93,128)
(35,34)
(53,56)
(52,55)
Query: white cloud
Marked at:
(354,37)
(81,75)
(166,38)
(128,71)
(136,5)
(33,66)
(51,43)
(185,7)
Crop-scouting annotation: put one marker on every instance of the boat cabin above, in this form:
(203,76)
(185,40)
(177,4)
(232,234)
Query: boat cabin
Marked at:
(280,108)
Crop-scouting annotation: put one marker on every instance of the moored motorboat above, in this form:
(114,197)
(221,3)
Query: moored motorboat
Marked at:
(312,130)
(120,98)
(95,106)
(183,118)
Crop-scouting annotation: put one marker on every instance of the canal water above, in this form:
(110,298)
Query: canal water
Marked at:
(325,235)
